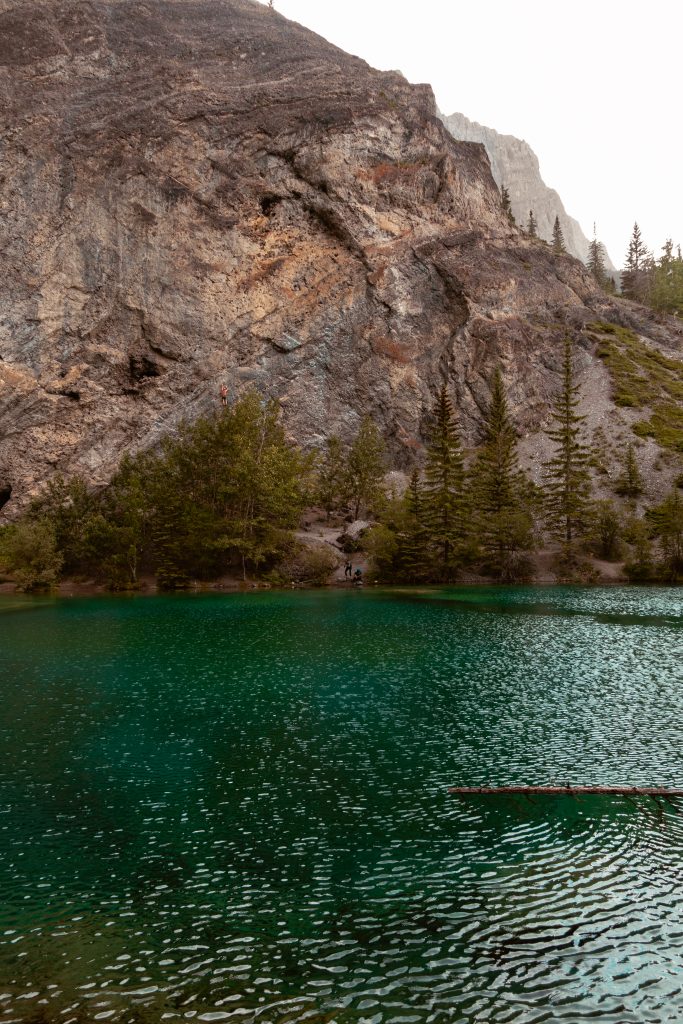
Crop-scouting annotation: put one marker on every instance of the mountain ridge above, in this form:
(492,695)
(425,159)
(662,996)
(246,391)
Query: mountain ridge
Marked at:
(201,192)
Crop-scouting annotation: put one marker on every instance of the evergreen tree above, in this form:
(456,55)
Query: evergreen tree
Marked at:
(225,491)
(504,524)
(532,226)
(635,276)
(331,482)
(506,204)
(174,560)
(365,467)
(119,535)
(68,506)
(414,540)
(444,485)
(666,521)
(630,483)
(640,566)
(29,551)
(568,488)
(264,495)
(558,237)
(607,528)
(596,262)
(666,291)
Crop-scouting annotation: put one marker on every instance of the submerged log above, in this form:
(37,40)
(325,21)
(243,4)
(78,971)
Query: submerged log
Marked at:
(566,790)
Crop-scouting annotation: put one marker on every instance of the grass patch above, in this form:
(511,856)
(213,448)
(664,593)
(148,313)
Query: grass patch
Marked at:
(643,378)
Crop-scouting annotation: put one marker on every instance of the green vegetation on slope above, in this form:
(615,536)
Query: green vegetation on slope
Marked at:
(643,378)
(225,494)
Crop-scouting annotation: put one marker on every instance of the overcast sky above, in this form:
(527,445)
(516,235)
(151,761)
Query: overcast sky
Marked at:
(594,86)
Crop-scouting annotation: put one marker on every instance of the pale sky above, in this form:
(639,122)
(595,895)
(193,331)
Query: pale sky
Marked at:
(594,86)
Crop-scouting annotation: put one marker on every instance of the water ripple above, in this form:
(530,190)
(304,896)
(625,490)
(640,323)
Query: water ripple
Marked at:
(236,808)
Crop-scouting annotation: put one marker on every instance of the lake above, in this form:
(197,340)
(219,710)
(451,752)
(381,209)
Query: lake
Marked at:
(236,807)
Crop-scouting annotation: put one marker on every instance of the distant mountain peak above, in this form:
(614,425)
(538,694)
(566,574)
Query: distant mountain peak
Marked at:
(515,165)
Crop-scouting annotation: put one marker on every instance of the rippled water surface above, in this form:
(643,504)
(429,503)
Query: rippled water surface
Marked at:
(224,808)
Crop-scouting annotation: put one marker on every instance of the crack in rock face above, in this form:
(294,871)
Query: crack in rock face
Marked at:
(203,192)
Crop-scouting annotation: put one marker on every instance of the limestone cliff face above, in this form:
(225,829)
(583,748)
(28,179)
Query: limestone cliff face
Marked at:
(515,165)
(199,191)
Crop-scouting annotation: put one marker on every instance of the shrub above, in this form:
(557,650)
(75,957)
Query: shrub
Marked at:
(643,378)
(29,552)
(312,565)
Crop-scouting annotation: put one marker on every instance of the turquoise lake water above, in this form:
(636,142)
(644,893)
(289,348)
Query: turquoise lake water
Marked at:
(235,807)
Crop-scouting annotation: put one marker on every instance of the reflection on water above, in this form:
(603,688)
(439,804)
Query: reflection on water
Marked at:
(236,808)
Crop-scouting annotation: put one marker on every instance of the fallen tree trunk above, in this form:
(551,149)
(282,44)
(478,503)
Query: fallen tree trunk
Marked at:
(566,790)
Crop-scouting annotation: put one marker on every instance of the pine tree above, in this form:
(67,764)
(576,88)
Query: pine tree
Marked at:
(68,505)
(444,488)
(331,476)
(630,483)
(635,277)
(667,526)
(498,486)
(414,541)
(596,262)
(365,467)
(640,566)
(558,237)
(666,291)
(506,204)
(225,490)
(169,542)
(532,226)
(568,489)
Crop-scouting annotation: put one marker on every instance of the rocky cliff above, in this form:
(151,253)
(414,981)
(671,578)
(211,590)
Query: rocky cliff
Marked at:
(199,191)
(515,165)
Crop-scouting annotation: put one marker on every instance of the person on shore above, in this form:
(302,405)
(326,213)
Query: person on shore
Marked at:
(224,394)
(348,571)
(358,578)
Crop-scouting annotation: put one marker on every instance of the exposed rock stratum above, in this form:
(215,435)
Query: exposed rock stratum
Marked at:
(199,191)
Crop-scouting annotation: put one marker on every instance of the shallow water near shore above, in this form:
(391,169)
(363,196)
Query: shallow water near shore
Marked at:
(235,807)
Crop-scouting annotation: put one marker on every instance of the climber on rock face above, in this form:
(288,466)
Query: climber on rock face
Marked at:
(224,394)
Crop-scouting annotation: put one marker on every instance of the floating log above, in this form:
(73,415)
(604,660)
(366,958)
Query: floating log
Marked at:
(566,790)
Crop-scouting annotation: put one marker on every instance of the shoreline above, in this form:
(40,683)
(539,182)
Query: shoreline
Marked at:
(69,589)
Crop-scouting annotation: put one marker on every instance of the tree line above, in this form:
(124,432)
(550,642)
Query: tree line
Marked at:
(491,516)
(655,281)
(226,493)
